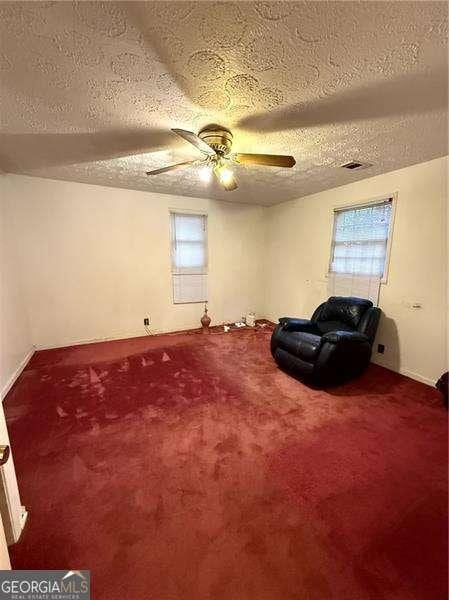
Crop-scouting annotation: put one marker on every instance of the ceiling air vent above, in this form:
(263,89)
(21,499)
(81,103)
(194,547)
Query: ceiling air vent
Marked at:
(355,166)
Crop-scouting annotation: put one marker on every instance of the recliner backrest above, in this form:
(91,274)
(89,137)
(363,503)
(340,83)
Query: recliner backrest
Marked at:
(341,313)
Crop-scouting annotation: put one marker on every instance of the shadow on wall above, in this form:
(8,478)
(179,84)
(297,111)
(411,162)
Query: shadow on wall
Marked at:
(371,382)
(387,334)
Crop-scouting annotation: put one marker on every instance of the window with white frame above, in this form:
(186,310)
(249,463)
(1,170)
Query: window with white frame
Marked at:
(189,257)
(359,252)
(360,239)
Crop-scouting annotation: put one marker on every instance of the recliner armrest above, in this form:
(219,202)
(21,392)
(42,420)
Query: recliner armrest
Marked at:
(349,336)
(292,324)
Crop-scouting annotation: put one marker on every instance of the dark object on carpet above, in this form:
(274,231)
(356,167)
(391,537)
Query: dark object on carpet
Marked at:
(443,386)
(189,467)
(335,344)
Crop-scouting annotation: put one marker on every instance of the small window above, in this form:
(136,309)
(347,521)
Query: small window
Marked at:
(360,240)
(189,257)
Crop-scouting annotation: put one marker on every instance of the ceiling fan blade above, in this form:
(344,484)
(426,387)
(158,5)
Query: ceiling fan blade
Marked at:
(196,141)
(228,184)
(172,167)
(267,160)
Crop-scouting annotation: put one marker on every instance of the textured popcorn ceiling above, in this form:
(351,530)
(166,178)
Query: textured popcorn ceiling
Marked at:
(89,90)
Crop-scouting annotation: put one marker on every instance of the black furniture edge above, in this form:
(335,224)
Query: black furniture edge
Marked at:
(333,345)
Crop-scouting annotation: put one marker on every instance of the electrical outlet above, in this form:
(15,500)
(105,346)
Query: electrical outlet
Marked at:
(146,321)
(380,348)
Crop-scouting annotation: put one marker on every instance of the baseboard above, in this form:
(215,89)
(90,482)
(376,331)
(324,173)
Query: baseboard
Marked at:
(23,363)
(407,373)
(110,338)
(125,336)
(418,377)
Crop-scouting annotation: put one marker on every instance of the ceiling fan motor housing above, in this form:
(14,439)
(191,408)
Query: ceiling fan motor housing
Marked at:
(217,137)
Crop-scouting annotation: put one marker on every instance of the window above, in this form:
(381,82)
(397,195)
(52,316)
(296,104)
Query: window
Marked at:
(189,257)
(360,239)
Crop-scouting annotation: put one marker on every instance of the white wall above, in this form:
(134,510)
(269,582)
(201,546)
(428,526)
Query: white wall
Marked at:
(298,246)
(15,336)
(96,260)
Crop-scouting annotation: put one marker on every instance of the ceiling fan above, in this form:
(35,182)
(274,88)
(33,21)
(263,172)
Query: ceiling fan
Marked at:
(215,142)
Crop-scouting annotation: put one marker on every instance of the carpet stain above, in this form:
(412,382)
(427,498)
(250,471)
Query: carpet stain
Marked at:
(61,412)
(188,467)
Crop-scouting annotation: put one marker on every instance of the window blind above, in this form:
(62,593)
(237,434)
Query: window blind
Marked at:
(359,250)
(360,238)
(358,286)
(189,257)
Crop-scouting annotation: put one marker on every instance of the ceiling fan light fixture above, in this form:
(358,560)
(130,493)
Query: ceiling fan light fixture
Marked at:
(215,142)
(225,175)
(205,173)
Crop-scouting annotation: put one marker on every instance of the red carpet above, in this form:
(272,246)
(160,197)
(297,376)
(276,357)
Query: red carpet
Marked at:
(188,467)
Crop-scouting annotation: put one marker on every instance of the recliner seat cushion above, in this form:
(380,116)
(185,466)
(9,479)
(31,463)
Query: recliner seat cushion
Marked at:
(347,311)
(300,344)
(326,326)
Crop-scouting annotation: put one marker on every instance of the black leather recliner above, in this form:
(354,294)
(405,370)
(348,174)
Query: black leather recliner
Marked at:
(335,344)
